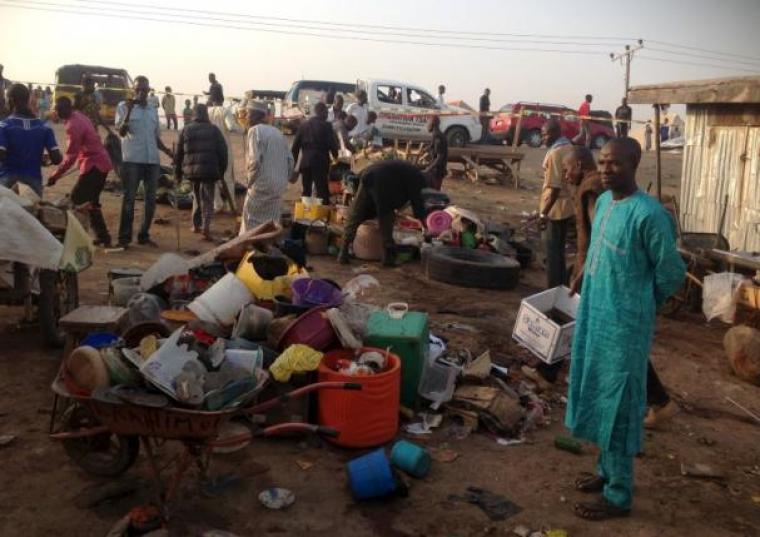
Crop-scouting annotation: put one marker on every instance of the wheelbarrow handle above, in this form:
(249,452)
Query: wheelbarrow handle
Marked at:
(284,428)
(282,399)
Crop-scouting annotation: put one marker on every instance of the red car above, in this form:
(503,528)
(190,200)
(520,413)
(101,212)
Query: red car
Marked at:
(535,115)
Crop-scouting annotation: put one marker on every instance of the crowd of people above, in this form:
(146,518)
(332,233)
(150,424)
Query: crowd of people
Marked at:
(627,263)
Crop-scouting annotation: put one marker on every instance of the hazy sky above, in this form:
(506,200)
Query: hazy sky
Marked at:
(34,43)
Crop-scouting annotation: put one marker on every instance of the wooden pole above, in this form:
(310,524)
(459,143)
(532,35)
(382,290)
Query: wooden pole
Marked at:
(516,135)
(658,163)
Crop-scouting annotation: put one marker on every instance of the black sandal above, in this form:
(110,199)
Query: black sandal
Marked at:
(601,510)
(589,482)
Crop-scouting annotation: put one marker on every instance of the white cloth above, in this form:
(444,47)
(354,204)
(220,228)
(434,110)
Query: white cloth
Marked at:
(24,239)
(269,165)
(361,113)
(440,100)
(226,122)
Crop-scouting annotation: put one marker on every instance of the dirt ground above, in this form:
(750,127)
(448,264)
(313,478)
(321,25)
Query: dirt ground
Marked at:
(40,486)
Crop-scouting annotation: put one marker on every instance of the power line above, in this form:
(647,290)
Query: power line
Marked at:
(358,25)
(681,62)
(716,52)
(702,56)
(76,11)
(174,12)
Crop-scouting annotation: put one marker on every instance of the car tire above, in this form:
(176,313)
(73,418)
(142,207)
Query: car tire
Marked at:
(471,268)
(457,137)
(533,138)
(599,141)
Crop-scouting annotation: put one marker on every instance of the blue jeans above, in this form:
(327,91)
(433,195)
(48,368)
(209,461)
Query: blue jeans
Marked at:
(8,181)
(132,174)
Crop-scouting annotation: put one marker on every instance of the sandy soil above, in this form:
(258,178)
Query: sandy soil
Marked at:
(39,485)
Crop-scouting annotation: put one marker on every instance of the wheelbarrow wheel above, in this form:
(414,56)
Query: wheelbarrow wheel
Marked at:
(102,455)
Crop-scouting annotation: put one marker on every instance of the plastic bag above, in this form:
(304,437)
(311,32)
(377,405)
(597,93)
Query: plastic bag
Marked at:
(719,295)
(296,358)
(168,265)
(742,344)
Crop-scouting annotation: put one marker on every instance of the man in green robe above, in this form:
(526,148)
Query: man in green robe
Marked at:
(632,267)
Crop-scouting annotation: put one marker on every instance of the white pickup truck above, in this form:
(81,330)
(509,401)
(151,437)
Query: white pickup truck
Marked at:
(403,110)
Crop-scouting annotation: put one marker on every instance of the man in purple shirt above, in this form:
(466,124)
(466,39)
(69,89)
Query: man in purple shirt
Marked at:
(84,145)
(23,140)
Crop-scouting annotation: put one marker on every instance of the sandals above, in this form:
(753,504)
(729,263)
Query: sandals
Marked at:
(588,482)
(600,510)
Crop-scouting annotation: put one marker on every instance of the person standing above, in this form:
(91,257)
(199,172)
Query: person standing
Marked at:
(440,99)
(648,135)
(215,92)
(623,116)
(335,111)
(582,172)
(360,110)
(85,147)
(169,104)
(439,154)
(226,122)
(187,113)
(4,85)
(153,99)
(556,207)
(584,111)
(384,188)
(269,167)
(138,127)
(664,131)
(23,141)
(88,102)
(485,117)
(43,104)
(201,159)
(633,266)
(316,141)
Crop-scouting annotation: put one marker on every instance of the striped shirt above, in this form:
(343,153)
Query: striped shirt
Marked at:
(269,165)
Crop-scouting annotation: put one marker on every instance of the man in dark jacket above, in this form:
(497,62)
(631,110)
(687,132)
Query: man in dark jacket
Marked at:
(316,141)
(439,154)
(202,159)
(623,117)
(384,188)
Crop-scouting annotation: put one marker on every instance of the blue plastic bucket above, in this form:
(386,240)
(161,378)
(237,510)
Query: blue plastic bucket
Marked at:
(100,340)
(410,458)
(370,476)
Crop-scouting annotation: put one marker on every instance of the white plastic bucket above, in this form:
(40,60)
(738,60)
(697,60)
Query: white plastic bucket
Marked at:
(222,301)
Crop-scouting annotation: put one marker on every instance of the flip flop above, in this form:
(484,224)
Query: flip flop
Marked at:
(601,510)
(589,482)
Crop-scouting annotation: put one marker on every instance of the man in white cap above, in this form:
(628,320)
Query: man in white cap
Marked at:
(269,167)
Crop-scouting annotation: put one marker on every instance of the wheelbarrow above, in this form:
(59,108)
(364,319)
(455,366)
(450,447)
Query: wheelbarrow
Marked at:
(103,435)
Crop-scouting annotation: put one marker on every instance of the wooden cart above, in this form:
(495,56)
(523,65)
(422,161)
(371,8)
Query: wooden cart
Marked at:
(503,159)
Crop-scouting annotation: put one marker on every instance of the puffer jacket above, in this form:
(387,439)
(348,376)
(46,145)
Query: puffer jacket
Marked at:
(201,153)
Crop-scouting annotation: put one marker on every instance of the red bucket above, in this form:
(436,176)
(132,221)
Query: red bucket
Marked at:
(365,418)
(313,328)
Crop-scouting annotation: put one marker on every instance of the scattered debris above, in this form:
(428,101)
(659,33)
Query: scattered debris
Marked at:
(304,465)
(6,439)
(277,498)
(522,531)
(480,368)
(510,441)
(701,470)
(746,411)
(566,443)
(495,506)
(444,455)
(426,426)
(491,407)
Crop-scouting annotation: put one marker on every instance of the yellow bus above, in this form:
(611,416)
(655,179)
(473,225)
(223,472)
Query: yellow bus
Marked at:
(114,85)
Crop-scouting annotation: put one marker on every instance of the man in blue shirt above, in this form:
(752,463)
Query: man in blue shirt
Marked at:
(23,140)
(140,142)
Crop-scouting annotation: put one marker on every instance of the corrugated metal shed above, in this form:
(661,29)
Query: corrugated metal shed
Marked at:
(721,162)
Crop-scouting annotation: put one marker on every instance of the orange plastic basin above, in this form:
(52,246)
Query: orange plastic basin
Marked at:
(364,418)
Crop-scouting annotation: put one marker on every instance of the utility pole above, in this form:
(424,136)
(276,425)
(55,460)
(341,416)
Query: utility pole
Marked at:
(626,57)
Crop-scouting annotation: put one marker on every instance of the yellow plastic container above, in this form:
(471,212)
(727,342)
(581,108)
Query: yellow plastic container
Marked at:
(312,212)
(267,289)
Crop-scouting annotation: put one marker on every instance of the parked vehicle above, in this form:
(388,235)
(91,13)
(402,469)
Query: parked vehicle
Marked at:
(115,85)
(403,109)
(504,123)
(303,94)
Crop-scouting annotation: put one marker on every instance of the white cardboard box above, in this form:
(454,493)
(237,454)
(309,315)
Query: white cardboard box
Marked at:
(539,334)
